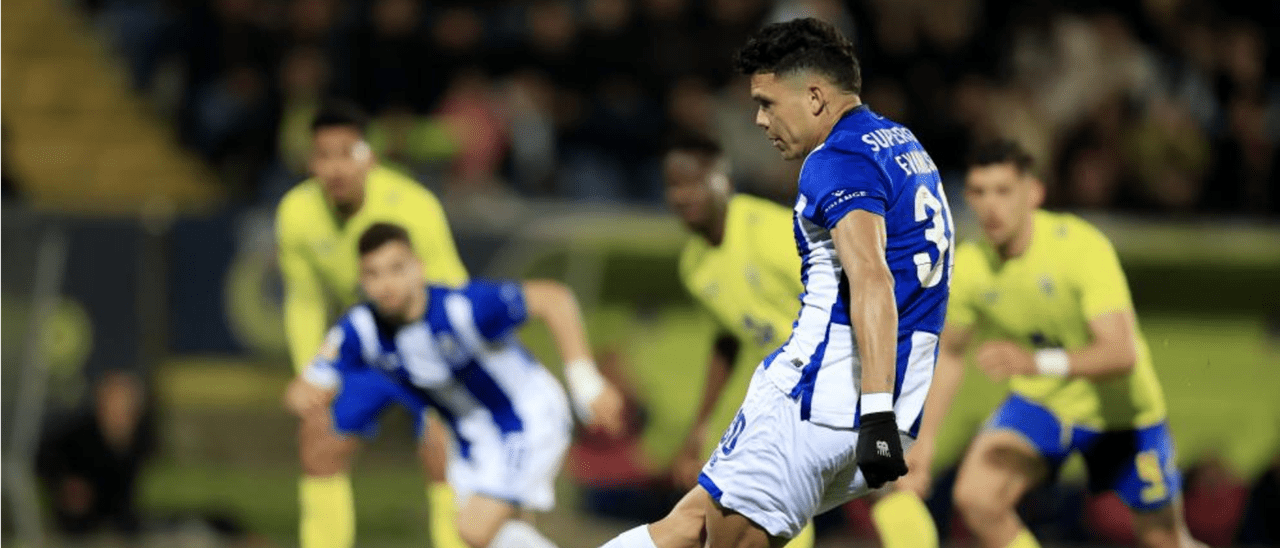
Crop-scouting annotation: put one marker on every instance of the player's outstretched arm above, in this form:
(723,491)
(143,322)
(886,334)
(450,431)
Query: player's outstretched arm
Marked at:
(305,309)
(947,375)
(860,241)
(318,381)
(688,462)
(595,400)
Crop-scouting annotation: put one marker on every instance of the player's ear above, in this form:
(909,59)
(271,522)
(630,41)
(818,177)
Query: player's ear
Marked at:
(363,153)
(719,184)
(817,99)
(1037,191)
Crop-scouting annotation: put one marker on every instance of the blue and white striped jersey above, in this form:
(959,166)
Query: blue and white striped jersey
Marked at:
(462,357)
(873,164)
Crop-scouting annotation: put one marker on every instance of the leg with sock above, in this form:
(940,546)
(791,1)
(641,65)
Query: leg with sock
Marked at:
(903,521)
(327,510)
(326,504)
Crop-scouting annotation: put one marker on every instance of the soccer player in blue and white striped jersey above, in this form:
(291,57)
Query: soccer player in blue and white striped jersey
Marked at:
(455,350)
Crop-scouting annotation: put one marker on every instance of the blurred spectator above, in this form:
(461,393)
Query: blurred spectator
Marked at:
(530,107)
(391,70)
(1165,106)
(470,112)
(1168,156)
(90,462)
(304,75)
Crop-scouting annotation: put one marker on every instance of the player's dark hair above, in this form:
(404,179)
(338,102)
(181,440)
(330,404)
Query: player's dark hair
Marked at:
(1001,151)
(340,113)
(801,44)
(380,234)
(694,143)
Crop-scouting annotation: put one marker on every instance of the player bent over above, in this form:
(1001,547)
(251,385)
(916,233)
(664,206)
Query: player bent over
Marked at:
(455,350)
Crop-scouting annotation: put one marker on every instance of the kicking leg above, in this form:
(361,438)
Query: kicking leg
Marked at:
(729,529)
(682,527)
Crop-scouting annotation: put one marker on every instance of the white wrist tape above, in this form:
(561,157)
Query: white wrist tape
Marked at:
(1053,362)
(321,376)
(877,402)
(585,385)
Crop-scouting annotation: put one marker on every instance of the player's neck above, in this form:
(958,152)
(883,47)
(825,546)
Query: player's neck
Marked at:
(418,307)
(714,231)
(346,210)
(1018,245)
(835,112)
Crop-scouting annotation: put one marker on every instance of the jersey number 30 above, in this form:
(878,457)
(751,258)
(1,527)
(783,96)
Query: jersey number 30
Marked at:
(928,270)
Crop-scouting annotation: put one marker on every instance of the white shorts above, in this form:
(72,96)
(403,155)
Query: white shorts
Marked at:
(778,470)
(520,467)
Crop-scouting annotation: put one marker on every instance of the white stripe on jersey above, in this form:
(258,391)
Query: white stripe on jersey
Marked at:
(835,393)
(822,287)
(917,379)
(367,331)
(505,363)
(462,319)
(423,362)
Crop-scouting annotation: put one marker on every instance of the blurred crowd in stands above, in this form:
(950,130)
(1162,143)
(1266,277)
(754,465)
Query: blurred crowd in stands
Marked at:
(1169,106)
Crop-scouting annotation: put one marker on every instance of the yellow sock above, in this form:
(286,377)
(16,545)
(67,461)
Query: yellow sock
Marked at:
(1024,540)
(328,512)
(903,521)
(440,512)
(804,539)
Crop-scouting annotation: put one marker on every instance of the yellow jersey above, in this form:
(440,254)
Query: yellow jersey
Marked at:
(319,260)
(1045,298)
(750,284)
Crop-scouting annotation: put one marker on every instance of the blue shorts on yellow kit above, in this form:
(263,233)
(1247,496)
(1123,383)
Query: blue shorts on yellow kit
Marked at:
(1138,464)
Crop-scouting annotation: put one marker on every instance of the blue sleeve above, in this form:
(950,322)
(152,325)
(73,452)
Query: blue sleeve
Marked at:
(836,182)
(497,307)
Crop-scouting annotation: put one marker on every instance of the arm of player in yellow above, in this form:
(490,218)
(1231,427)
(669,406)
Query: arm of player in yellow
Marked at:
(859,240)
(1113,351)
(597,399)
(305,310)
(434,242)
(724,354)
(1107,304)
(688,462)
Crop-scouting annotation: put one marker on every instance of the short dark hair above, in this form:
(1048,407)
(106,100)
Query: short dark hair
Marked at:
(380,234)
(1001,151)
(340,113)
(801,44)
(693,142)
